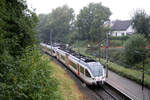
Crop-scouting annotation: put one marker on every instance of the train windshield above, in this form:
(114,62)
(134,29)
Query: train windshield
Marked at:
(96,69)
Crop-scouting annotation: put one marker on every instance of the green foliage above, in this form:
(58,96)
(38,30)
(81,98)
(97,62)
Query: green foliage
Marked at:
(17,23)
(135,48)
(118,37)
(141,22)
(59,24)
(90,21)
(28,77)
(115,43)
(23,74)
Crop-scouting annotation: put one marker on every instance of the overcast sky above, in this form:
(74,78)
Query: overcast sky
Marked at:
(121,9)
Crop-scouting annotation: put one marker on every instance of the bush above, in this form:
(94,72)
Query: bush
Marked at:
(118,37)
(134,49)
(23,74)
(28,78)
(114,43)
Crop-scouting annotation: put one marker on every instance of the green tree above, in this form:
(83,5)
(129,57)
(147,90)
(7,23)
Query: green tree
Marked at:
(59,24)
(17,26)
(141,22)
(24,75)
(43,28)
(134,49)
(90,21)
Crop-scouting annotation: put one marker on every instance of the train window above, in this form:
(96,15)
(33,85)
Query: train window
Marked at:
(73,64)
(49,49)
(87,73)
(62,57)
(57,53)
(81,69)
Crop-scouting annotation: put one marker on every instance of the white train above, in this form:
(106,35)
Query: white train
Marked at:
(87,69)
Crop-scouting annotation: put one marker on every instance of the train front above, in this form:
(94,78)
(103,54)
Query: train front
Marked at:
(98,74)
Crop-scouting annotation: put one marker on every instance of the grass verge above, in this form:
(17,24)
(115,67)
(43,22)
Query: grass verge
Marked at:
(67,86)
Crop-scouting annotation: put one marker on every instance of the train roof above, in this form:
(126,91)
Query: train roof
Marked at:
(72,52)
(77,55)
(87,62)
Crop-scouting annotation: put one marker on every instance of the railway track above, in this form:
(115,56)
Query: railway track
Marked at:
(103,95)
(103,92)
(106,92)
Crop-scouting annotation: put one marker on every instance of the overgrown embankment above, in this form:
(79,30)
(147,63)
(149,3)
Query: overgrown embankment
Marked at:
(67,87)
(23,74)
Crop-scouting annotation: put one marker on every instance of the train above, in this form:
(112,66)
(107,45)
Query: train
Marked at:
(88,70)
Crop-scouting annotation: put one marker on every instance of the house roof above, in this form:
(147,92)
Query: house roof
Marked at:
(121,25)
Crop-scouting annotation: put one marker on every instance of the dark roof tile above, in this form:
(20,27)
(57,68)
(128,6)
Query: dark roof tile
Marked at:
(121,25)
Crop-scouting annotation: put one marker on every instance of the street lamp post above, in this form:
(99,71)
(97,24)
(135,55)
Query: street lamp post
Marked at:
(143,55)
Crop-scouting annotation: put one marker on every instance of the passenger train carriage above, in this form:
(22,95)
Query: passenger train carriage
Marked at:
(87,69)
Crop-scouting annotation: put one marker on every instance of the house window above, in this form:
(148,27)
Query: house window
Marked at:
(122,34)
(116,33)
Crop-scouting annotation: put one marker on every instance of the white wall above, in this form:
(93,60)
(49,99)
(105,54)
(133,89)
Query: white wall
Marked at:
(118,33)
(129,31)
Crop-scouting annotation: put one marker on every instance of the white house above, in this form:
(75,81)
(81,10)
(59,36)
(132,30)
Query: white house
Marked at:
(122,28)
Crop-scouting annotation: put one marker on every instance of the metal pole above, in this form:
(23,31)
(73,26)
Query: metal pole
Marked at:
(51,41)
(143,74)
(106,55)
(78,47)
(99,53)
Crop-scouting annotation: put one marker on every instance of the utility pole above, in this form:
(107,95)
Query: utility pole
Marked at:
(78,47)
(143,72)
(106,55)
(51,41)
(99,52)
(143,54)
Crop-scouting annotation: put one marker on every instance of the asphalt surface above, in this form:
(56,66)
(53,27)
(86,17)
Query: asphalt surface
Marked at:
(129,87)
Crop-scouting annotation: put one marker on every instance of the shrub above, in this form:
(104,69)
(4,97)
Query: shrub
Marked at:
(134,49)
(28,78)
(118,37)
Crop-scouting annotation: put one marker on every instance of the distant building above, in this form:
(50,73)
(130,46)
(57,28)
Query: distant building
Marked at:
(109,23)
(122,28)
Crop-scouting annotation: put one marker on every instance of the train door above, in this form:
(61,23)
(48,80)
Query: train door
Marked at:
(67,60)
(51,51)
(78,69)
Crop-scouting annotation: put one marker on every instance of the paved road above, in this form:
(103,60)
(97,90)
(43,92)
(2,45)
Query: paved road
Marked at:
(131,88)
